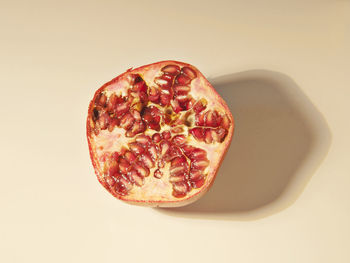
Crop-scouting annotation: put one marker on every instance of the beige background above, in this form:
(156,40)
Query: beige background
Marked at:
(282,194)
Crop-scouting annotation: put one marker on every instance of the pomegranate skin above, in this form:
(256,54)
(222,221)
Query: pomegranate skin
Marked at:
(223,146)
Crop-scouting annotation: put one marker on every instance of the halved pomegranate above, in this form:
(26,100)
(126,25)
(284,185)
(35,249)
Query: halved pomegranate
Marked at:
(157,134)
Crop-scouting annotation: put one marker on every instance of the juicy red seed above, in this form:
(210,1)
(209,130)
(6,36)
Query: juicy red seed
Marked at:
(154,94)
(189,72)
(177,130)
(177,178)
(212,119)
(147,160)
(178,170)
(176,106)
(124,166)
(180,189)
(182,79)
(163,83)
(122,108)
(156,138)
(179,139)
(104,121)
(154,126)
(171,69)
(200,119)
(138,127)
(161,163)
(138,180)
(165,99)
(195,175)
(153,151)
(130,157)
(126,183)
(166,135)
(173,152)
(127,121)
(197,184)
(221,132)
(143,139)
(181,90)
(112,124)
(110,180)
(164,147)
(120,189)
(158,174)
(200,105)
(167,77)
(197,154)
(113,170)
(136,115)
(141,170)
(179,161)
(136,148)
(112,102)
(200,164)
(208,135)
(198,133)
(101,100)
(115,156)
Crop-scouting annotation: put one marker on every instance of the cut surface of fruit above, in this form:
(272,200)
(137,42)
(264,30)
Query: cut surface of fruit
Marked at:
(157,134)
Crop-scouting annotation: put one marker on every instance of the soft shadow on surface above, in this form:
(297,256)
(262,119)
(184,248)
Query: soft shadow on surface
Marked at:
(280,140)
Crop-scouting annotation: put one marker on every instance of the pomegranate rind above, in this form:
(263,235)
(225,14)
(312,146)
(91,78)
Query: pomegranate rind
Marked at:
(212,173)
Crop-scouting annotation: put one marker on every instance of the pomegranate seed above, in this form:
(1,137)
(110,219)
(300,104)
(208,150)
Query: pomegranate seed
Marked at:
(200,121)
(181,90)
(171,69)
(113,170)
(182,98)
(221,132)
(195,174)
(166,135)
(178,178)
(127,121)
(154,126)
(179,139)
(177,170)
(182,79)
(189,72)
(161,163)
(136,115)
(177,130)
(115,156)
(146,160)
(179,161)
(198,133)
(158,174)
(109,180)
(154,94)
(153,152)
(208,136)
(122,108)
(120,189)
(101,100)
(167,77)
(180,189)
(136,148)
(112,124)
(164,147)
(143,139)
(212,119)
(165,99)
(141,170)
(200,105)
(137,127)
(200,164)
(156,138)
(130,157)
(163,83)
(126,183)
(176,106)
(138,180)
(112,102)
(124,166)
(197,184)
(173,152)
(103,121)
(197,154)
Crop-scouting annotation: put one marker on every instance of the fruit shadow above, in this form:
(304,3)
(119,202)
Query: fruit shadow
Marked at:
(280,140)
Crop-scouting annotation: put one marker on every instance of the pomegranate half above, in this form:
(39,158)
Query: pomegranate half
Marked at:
(157,134)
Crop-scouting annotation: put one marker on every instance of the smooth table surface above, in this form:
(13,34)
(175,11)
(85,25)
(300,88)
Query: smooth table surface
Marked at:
(282,193)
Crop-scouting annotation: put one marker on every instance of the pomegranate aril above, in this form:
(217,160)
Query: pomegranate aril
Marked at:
(154,94)
(136,115)
(189,72)
(101,100)
(174,151)
(181,90)
(200,105)
(179,139)
(130,157)
(171,69)
(143,139)
(104,121)
(195,174)
(141,170)
(221,134)
(153,152)
(165,99)
(199,164)
(138,180)
(136,148)
(180,189)
(112,123)
(163,83)
(110,180)
(164,147)
(212,119)
(179,161)
(178,170)
(112,102)
(198,183)
(208,135)
(177,130)
(156,138)
(127,121)
(120,189)
(182,79)
(175,105)
(200,119)
(147,160)
(166,135)
(158,174)
(198,133)
(122,108)
(124,165)
(126,183)
(178,178)
(115,156)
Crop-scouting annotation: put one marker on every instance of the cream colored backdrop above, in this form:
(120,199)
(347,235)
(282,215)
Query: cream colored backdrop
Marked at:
(282,194)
